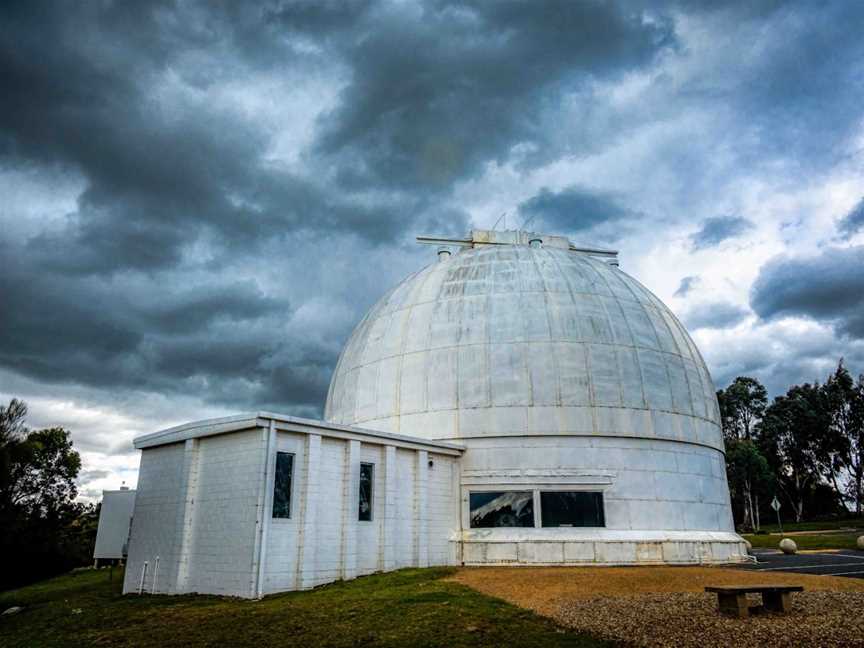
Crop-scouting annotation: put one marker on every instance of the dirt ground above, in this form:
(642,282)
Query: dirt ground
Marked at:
(667,606)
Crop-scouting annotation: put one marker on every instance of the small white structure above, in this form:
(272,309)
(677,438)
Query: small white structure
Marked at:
(521,401)
(115,518)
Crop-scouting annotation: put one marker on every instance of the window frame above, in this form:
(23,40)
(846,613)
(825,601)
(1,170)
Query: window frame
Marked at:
(291,488)
(529,491)
(596,491)
(371,491)
(593,484)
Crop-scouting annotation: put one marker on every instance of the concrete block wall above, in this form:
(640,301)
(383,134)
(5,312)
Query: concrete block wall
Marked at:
(442,509)
(405,514)
(155,530)
(222,547)
(283,539)
(369,534)
(341,546)
(197,513)
(205,509)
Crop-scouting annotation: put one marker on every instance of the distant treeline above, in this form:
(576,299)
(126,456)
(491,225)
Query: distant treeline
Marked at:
(43,530)
(805,447)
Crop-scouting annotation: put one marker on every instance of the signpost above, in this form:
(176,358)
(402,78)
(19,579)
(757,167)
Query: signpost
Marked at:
(775,504)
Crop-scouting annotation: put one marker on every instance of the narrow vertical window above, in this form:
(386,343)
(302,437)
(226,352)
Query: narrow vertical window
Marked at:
(282,485)
(367,474)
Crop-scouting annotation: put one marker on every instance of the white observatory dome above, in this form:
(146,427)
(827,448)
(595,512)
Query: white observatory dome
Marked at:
(569,386)
(512,340)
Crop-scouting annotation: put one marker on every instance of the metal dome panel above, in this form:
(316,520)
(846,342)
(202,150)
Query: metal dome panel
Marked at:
(504,340)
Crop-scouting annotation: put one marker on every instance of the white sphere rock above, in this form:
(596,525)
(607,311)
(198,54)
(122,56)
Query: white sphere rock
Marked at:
(788,546)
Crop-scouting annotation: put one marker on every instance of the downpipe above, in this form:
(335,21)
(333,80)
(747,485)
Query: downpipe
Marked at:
(143,576)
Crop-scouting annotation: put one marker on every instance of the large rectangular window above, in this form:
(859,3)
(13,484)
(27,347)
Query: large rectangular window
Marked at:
(571,509)
(367,477)
(502,509)
(282,485)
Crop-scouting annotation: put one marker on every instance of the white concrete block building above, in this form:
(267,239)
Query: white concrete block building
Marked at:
(115,518)
(522,401)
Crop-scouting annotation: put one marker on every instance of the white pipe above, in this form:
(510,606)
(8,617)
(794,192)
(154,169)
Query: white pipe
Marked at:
(143,575)
(155,571)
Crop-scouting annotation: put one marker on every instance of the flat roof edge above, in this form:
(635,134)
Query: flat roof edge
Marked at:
(239,422)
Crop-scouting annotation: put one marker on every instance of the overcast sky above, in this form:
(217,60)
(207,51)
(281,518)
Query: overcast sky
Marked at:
(198,201)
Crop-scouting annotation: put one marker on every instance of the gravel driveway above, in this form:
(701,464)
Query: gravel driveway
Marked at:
(667,606)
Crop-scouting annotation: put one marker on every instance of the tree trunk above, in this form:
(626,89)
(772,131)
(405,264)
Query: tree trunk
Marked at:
(859,477)
(756,510)
(798,499)
(858,492)
(748,506)
(840,496)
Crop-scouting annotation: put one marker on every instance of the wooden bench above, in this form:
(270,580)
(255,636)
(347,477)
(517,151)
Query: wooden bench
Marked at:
(733,600)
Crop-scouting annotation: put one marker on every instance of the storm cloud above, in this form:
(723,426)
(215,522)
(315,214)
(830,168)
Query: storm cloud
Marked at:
(572,210)
(685,286)
(828,287)
(201,200)
(714,231)
(853,222)
(714,315)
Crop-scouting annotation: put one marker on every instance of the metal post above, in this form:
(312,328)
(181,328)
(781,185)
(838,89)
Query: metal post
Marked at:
(775,504)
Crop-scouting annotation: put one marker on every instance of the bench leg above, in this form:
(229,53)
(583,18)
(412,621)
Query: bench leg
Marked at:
(733,604)
(777,601)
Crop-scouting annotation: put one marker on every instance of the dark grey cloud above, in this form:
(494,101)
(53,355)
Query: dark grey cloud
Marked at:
(199,260)
(87,476)
(439,90)
(853,222)
(714,231)
(715,315)
(793,82)
(225,341)
(828,287)
(687,284)
(158,176)
(574,209)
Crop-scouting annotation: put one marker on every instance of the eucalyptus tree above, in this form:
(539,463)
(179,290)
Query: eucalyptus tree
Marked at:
(855,435)
(792,432)
(38,469)
(742,406)
(835,451)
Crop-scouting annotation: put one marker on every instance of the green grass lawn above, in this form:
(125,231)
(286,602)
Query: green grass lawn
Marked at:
(410,607)
(857,523)
(815,541)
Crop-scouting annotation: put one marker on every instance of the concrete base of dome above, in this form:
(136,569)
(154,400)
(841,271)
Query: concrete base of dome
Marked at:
(603,547)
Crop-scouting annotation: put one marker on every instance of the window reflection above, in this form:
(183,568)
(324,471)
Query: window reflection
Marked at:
(367,472)
(282,485)
(502,509)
